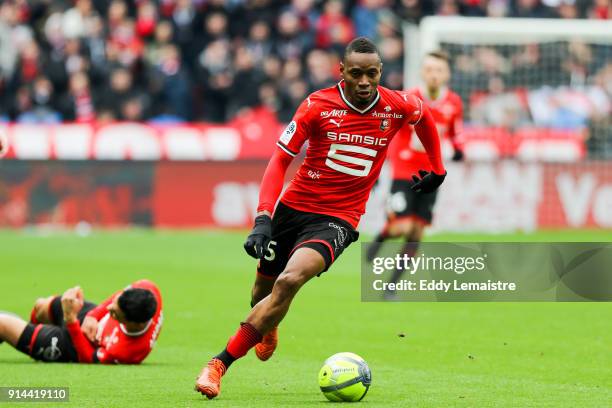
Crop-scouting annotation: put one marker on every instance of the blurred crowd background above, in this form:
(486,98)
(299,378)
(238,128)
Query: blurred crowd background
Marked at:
(208,60)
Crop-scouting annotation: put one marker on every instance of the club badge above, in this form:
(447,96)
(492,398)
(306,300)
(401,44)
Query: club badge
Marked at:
(384,124)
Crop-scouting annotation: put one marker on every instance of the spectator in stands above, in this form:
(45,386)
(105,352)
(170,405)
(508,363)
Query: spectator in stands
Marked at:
(171,85)
(365,17)
(210,59)
(146,19)
(334,29)
(244,92)
(392,52)
(38,105)
(319,71)
(307,14)
(530,9)
(95,47)
(601,10)
(119,90)
(272,68)
(473,8)
(292,42)
(76,20)
(448,8)
(78,104)
(259,43)
(498,8)
(413,11)
(294,94)
(215,77)
(9,49)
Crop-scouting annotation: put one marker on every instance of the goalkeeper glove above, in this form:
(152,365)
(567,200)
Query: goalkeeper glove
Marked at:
(428,182)
(259,238)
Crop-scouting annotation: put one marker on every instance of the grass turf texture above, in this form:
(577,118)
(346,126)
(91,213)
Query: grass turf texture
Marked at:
(450,354)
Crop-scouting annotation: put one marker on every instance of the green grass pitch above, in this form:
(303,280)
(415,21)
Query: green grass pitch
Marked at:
(450,354)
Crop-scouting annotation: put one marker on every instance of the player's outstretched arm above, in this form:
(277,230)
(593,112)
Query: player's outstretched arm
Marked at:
(427,133)
(271,187)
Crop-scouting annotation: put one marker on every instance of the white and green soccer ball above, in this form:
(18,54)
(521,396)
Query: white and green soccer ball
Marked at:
(345,377)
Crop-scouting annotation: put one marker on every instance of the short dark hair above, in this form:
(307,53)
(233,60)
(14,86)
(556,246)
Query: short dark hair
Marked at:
(361,45)
(138,305)
(439,54)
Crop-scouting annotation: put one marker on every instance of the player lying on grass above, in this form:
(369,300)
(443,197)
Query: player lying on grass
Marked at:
(349,128)
(121,330)
(410,213)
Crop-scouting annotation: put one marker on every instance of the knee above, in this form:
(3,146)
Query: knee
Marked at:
(39,305)
(288,282)
(416,233)
(403,229)
(41,308)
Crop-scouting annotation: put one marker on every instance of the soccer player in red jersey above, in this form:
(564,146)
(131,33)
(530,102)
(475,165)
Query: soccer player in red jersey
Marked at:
(409,213)
(121,330)
(349,128)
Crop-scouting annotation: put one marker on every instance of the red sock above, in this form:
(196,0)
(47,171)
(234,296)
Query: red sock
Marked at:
(245,338)
(33,318)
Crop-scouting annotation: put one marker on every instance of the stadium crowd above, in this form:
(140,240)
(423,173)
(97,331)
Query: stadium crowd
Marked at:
(175,60)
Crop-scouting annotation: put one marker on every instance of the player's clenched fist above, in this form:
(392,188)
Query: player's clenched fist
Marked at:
(89,328)
(72,303)
(428,183)
(260,236)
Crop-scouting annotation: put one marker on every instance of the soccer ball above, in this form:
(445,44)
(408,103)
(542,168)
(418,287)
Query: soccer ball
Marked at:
(345,377)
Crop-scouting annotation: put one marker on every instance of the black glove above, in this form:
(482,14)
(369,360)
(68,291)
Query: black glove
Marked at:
(458,155)
(257,242)
(428,182)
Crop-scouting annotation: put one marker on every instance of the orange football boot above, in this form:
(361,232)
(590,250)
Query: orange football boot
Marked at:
(266,347)
(209,381)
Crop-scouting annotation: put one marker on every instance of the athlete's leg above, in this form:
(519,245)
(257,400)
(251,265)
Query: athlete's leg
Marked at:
(412,231)
(377,242)
(11,328)
(304,264)
(261,288)
(41,312)
(399,204)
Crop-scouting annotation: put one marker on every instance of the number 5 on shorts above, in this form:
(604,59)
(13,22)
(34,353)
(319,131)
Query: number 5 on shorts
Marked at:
(270,254)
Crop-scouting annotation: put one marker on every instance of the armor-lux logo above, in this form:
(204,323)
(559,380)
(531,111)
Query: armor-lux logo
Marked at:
(336,113)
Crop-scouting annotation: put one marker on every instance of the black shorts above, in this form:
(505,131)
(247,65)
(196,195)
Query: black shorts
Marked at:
(51,342)
(403,202)
(293,229)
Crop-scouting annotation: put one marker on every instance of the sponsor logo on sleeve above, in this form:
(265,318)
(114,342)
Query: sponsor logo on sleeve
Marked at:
(288,132)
